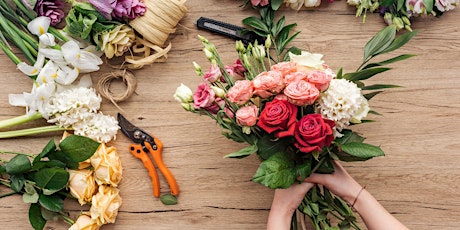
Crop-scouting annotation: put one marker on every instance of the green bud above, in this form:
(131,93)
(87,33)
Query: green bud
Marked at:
(388,18)
(268,42)
(408,28)
(208,54)
(374,6)
(187,107)
(218,91)
(198,70)
(203,39)
(246,130)
(398,22)
(258,51)
(406,20)
(246,60)
(239,46)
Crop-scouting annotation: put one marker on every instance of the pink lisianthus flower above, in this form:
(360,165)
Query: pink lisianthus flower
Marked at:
(212,74)
(259,2)
(238,68)
(204,96)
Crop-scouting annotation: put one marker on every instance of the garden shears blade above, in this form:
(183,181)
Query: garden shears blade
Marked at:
(144,144)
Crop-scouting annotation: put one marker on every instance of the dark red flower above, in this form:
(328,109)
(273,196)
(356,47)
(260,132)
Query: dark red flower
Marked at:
(313,132)
(278,117)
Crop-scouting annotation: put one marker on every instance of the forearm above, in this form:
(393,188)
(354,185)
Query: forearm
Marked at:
(374,215)
(279,219)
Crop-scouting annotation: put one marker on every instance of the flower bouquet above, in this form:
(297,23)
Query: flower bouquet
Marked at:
(296,114)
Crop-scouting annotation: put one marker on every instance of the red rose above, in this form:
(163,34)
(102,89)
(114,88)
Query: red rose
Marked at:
(278,116)
(313,132)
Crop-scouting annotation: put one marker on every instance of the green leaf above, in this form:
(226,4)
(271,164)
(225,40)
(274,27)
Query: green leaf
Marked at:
(48,164)
(389,61)
(256,23)
(244,152)
(400,4)
(379,42)
(35,217)
(61,157)
(267,147)
(52,202)
(52,178)
(79,148)
(168,199)
(30,198)
(339,73)
(379,86)
(278,26)
(304,170)
(49,215)
(349,136)
(17,182)
(276,172)
(428,6)
(399,41)
(18,164)
(50,147)
(362,150)
(276,4)
(326,167)
(369,96)
(364,74)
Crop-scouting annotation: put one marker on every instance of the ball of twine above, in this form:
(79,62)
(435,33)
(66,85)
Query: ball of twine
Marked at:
(128,78)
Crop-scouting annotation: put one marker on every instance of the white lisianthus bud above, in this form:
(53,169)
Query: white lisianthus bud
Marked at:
(268,42)
(208,54)
(187,107)
(183,94)
(198,70)
(239,46)
(218,91)
(258,51)
(353,2)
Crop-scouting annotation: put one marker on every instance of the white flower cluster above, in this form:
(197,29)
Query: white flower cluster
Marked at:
(99,127)
(342,103)
(297,4)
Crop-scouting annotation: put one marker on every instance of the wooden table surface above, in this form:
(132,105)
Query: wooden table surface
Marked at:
(418,180)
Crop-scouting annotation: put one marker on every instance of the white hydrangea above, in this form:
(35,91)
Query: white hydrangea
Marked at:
(100,127)
(70,106)
(340,102)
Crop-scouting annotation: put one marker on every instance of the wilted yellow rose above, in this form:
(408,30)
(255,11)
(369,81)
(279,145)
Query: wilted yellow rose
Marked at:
(82,185)
(105,205)
(116,41)
(107,165)
(84,222)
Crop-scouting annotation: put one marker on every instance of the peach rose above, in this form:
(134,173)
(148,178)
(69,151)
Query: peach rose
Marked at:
(241,92)
(295,76)
(285,67)
(320,79)
(105,205)
(268,83)
(107,165)
(301,93)
(84,222)
(82,185)
(247,115)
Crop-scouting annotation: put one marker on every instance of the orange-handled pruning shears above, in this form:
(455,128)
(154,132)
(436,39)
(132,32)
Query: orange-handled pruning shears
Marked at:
(144,144)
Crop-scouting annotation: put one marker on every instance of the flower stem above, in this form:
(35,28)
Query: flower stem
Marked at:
(66,218)
(7,194)
(16,153)
(30,14)
(9,53)
(31,131)
(19,120)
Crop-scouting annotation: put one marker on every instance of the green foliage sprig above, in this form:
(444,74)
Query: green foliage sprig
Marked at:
(42,182)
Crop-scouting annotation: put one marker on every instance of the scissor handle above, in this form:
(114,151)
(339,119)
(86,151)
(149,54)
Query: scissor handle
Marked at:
(157,157)
(136,151)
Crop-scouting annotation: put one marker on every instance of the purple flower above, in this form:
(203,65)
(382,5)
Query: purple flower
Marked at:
(128,9)
(52,9)
(105,7)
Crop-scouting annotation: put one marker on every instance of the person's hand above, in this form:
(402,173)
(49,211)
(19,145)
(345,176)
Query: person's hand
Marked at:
(285,202)
(340,182)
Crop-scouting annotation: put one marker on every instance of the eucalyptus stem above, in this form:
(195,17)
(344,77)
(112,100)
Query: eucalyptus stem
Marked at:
(31,131)
(7,194)
(19,120)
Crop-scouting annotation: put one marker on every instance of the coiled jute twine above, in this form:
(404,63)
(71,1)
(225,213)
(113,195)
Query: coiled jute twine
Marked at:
(160,20)
(155,26)
(103,86)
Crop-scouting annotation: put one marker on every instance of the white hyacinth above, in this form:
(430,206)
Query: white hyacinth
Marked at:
(340,102)
(100,127)
(70,106)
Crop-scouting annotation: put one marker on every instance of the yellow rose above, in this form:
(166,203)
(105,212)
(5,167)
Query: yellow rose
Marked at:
(82,185)
(84,222)
(105,205)
(116,41)
(307,61)
(107,165)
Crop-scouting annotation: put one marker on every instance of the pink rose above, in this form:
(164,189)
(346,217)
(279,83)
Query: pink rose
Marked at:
(313,132)
(204,96)
(268,83)
(301,93)
(295,76)
(259,2)
(278,117)
(241,92)
(247,115)
(320,79)
(212,74)
(285,67)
